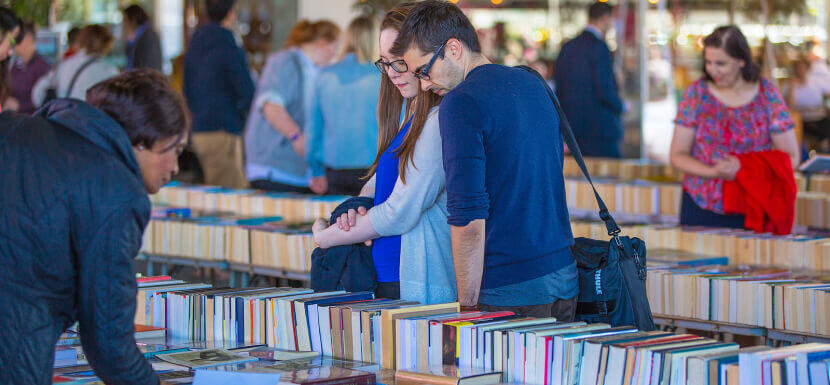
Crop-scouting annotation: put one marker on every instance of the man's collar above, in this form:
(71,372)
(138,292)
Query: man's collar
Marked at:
(592,29)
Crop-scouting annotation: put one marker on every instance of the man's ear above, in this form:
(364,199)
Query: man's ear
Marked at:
(454,48)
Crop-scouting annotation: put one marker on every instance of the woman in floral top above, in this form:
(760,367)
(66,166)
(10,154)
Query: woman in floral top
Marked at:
(732,110)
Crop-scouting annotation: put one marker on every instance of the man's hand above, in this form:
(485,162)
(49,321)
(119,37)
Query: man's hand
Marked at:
(319,185)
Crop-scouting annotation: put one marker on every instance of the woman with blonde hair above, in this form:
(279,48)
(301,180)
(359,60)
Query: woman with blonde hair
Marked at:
(74,76)
(274,134)
(342,130)
(411,247)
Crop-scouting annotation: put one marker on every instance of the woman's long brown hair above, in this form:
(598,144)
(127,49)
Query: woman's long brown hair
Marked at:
(390,103)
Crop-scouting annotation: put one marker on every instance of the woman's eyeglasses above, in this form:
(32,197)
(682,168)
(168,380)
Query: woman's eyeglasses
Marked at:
(398,65)
(12,40)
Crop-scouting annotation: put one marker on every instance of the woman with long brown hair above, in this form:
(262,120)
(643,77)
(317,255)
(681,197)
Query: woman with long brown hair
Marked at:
(408,223)
(275,132)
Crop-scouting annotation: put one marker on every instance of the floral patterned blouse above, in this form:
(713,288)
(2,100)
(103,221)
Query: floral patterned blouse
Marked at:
(721,131)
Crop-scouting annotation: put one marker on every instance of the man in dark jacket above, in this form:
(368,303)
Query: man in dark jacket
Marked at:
(219,91)
(587,89)
(143,45)
(74,180)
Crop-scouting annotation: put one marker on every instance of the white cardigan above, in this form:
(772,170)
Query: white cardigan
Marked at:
(417,211)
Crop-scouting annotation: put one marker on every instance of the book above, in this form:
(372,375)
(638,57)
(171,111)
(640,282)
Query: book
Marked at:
(387,326)
(267,353)
(144,331)
(330,375)
(447,375)
(204,358)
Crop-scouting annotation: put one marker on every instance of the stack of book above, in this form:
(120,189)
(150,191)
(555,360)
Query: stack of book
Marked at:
(766,297)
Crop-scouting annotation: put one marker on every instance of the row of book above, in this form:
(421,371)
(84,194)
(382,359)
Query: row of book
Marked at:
(414,339)
(801,251)
(622,169)
(636,198)
(290,207)
(766,297)
(261,241)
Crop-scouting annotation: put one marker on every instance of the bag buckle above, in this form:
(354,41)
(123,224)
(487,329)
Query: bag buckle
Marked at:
(641,269)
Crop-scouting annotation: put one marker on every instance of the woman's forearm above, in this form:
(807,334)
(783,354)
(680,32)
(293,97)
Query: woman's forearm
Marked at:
(691,166)
(278,117)
(332,236)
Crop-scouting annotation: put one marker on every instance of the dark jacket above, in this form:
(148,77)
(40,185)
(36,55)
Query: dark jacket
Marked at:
(348,267)
(145,51)
(72,211)
(587,89)
(217,82)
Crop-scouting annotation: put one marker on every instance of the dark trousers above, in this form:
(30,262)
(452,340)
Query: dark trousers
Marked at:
(268,185)
(388,290)
(563,310)
(597,147)
(692,215)
(345,181)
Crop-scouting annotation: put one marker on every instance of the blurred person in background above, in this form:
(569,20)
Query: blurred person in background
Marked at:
(342,130)
(275,142)
(218,89)
(806,96)
(9,36)
(73,44)
(587,87)
(26,69)
(411,247)
(142,45)
(74,76)
(729,112)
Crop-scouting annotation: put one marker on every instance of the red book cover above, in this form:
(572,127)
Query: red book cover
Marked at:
(660,340)
(153,278)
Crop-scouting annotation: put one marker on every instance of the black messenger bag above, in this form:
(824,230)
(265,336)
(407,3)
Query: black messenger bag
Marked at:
(612,275)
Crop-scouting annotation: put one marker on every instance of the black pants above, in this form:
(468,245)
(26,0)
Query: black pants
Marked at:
(563,310)
(388,290)
(820,129)
(268,185)
(598,147)
(345,181)
(692,215)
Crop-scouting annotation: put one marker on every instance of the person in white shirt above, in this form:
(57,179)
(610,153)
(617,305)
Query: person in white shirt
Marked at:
(75,75)
(806,94)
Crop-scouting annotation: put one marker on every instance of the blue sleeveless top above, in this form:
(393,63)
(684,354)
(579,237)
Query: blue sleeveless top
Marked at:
(386,251)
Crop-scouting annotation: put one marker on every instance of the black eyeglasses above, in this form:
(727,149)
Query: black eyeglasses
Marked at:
(423,73)
(398,65)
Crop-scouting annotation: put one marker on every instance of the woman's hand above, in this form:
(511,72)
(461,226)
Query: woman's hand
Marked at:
(349,218)
(726,169)
(319,185)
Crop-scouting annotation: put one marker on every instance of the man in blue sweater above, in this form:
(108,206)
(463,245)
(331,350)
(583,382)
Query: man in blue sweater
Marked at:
(219,91)
(503,153)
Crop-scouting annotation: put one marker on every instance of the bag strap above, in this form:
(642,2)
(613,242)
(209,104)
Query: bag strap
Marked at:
(78,73)
(568,135)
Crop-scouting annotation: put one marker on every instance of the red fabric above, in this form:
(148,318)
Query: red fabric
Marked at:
(764,190)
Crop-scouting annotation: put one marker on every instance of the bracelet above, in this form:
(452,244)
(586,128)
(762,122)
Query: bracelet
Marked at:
(296,136)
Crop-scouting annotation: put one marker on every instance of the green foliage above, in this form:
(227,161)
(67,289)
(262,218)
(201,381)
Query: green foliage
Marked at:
(30,10)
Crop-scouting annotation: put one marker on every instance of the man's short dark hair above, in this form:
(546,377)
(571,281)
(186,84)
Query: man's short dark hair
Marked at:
(217,10)
(135,14)
(28,28)
(599,10)
(144,104)
(72,34)
(433,22)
